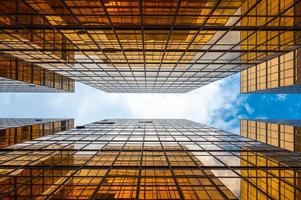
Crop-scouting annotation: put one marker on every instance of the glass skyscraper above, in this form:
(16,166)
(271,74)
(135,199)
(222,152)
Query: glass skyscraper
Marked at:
(153,46)
(18,130)
(274,73)
(148,159)
(17,75)
(285,134)
(278,75)
(149,46)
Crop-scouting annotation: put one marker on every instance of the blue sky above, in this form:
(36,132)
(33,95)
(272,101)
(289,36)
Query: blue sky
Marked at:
(218,104)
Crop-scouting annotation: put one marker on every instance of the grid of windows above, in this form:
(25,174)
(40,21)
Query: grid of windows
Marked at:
(278,75)
(267,184)
(139,159)
(147,46)
(18,130)
(20,76)
(10,85)
(269,13)
(282,133)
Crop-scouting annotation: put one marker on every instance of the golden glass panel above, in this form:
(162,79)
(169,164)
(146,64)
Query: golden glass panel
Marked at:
(279,74)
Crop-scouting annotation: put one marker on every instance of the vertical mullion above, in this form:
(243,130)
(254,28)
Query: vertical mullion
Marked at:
(140,166)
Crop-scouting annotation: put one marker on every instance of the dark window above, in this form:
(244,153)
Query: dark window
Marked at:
(2,135)
(63,125)
(147,122)
(25,132)
(106,122)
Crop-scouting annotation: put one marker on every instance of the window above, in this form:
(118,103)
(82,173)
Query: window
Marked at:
(2,135)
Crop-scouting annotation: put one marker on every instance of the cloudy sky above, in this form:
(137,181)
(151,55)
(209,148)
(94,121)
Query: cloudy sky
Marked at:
(219,104)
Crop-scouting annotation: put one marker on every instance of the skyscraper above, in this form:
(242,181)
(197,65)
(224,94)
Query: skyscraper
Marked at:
(145,159)
(278,75)
(20,76)
(274,182)
(148,46)
(18,130)
(285,134)
(170,46)
(274,73)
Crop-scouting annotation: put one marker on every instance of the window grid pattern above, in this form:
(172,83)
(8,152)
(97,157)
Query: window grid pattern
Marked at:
(270,184)
(262,40)
(18,130)
(20,76)
(283,134)
(139,159)
(148,46)
(278,75)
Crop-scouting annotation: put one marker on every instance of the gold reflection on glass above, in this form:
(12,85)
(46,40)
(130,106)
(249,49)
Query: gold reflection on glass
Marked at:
(280,134)
(269,13)
(267,183)
(16,132)
(32,183)
(121,170)
(126,159)
(131,58)
(16,69)
(279,74)
(149,46)
(273,74)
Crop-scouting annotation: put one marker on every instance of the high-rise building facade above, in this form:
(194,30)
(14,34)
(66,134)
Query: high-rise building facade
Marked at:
(148,46)
(275,73)
(278,75)
(147,159)
(18,130)
(17,75)
(285,134)
(274,182)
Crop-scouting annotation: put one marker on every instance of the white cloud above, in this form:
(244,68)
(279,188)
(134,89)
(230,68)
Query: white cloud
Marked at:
(196,105)
(249,109)
(211,105)
(281,97)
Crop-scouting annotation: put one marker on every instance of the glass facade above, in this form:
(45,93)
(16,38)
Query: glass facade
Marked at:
(20,76)
(171,46)
(275,73)
(268,184)
(148,46)
(147,159)
(18,130)
(273,183)
(278,75)
(280,133)
(281,13)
